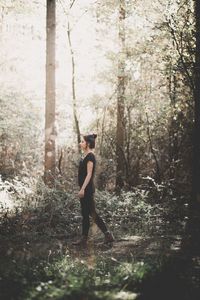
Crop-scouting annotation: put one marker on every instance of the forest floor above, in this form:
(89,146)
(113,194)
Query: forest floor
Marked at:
(163,271)
(151,258)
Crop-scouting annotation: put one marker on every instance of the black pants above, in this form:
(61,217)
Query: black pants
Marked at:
(88,209)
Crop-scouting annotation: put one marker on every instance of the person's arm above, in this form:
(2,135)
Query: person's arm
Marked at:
(87,179)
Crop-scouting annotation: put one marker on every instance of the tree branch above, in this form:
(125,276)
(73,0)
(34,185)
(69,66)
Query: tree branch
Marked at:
(191,83)
(72,3)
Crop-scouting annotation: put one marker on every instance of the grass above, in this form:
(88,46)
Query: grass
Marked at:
(66,277)
(36,264)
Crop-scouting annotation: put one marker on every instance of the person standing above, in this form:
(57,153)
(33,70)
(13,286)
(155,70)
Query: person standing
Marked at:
(86,173)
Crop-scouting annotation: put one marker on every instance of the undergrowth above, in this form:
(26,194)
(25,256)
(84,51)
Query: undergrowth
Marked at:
(32,213)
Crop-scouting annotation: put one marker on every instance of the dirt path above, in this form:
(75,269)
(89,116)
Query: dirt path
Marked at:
(182,275)
(26,247)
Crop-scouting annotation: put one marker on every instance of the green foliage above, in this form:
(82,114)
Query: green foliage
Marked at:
(32,207)
(54,271)
(20,143)
(69,278)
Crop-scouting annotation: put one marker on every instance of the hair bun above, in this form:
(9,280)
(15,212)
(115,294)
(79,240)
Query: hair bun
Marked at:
(94,135)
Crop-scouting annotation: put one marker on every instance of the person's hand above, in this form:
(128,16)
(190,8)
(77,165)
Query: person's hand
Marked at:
(81,193)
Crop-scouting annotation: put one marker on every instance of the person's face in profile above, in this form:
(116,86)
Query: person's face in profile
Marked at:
(83,144)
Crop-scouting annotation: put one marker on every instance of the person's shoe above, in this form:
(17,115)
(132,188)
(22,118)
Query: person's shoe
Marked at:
(109,238)
(81,242)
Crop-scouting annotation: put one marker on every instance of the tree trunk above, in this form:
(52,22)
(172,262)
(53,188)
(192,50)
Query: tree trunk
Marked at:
(196,154)
(120,166)
(76,122)
(191,242)
(1,18)
(173,140)
(50,131)
(158,172)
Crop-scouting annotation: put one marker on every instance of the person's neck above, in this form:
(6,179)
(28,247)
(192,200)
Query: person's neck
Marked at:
(87,151)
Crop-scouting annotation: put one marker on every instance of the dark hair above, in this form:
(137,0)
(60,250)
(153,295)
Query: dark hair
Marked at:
(90,140)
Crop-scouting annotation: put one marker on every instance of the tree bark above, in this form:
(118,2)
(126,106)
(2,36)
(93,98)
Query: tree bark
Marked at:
(76,121)
(196,142)
(173,140)
(120,165)
(50,130)
(158,172)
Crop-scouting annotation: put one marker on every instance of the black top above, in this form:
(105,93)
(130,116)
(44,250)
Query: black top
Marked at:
(82,172)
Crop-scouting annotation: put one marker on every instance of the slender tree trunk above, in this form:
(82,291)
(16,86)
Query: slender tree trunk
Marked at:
(173,140)
(76,122)
(158,172)
(127,142)
(196,154)
(1,18)
(102,129)
(120,167)
(50,134)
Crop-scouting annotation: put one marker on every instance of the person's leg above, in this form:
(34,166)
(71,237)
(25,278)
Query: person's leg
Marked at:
(85,222)
(99,221)
(85,216)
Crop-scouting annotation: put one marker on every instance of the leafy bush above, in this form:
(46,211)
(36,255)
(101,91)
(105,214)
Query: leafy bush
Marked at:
(66,278)
(21,140)
(36,208)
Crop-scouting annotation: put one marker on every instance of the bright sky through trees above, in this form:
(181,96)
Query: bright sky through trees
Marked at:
(23,53)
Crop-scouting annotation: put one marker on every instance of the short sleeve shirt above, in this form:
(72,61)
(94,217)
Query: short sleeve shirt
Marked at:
(82,171)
